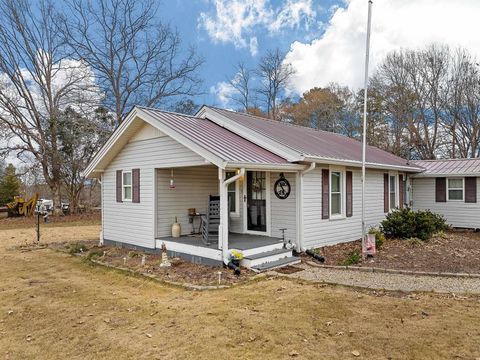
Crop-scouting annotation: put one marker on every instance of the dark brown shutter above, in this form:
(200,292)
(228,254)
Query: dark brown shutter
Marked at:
(136,185)
(386,193)
(349,197)
(119,185)
(440,189)
(325,194)
(401,189)
(470,189)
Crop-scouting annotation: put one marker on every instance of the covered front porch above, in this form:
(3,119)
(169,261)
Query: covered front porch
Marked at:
(252,218)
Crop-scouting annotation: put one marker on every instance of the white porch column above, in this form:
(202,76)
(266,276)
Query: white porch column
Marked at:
(223,228)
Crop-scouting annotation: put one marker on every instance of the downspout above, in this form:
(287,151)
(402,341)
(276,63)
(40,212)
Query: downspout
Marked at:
(300,206)
(224,214)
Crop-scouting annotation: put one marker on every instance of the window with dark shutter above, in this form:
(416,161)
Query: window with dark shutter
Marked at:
(119,185)
(136,185)
(325,194)
(401,189)
(386,193)
(440,189)
(470,189)
(349,197)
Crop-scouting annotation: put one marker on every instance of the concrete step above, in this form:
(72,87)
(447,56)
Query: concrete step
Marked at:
(276,264)
(252,260)
(261,249)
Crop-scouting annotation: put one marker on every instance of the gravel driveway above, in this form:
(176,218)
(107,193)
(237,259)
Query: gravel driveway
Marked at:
(387,281)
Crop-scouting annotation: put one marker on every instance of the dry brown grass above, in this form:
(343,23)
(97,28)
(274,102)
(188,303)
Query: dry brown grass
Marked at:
(70,309)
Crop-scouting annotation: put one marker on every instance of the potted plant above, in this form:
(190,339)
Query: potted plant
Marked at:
(235,257)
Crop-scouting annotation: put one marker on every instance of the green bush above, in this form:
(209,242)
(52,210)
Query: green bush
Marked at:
(406,223)
(76,248)
(352,259)
(379,236)
(94,254)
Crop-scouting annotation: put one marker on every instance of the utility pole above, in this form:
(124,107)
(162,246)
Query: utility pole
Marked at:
(364,136)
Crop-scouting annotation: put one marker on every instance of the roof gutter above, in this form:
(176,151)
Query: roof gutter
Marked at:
(359,163)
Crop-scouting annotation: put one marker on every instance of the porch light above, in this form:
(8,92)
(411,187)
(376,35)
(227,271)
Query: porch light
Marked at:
(172,180)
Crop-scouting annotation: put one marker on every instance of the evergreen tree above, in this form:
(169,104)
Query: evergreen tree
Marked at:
(9,185)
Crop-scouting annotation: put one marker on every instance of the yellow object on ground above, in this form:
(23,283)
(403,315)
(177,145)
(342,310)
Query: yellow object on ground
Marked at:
(20,206)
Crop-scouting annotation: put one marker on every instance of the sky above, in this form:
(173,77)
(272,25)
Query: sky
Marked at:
(324,39)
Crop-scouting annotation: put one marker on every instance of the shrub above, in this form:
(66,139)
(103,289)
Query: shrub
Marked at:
(407,223)
(352,259)
(94,254)
(75,248)
(379,236)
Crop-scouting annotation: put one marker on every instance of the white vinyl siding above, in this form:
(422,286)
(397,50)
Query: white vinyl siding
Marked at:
(193,185)
(133,223)
(283,212)
(318,232)
(458,213)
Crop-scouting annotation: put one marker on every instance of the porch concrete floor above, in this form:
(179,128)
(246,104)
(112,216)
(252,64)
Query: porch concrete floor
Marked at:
(235,241)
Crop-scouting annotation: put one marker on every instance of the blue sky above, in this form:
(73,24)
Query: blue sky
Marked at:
(220,57)
(324,39)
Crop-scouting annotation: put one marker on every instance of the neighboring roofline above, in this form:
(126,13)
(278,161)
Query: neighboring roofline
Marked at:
(286,152)
(356,163)
(449,175)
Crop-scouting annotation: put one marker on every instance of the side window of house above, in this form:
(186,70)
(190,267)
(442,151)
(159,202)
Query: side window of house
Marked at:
(335,193)
(393,191)
(232,192)
(127,185)
(455,189)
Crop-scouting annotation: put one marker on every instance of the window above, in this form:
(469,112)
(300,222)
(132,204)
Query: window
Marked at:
(127,186)
(455,189)
(335,193)
(232,192)
(393,191)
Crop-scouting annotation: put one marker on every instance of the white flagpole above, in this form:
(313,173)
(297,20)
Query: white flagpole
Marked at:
(364,136)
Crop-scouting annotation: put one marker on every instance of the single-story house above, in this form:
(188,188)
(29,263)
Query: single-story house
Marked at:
(275,183)
(448,187)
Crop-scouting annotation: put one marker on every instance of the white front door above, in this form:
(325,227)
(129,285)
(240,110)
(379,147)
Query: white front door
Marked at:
(256,202)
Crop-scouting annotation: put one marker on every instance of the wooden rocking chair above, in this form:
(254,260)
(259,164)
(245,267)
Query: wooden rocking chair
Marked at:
(211,221)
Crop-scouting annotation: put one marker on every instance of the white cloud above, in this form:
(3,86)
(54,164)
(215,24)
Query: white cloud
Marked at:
(235,21)
(224,91)
(339,54)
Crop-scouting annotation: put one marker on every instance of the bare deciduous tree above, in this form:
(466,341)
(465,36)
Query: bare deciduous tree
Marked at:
(38,80)
(274,76)
(137,59)
(242,84)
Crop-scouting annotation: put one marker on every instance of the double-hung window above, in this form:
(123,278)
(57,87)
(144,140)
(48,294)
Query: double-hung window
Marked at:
(232,192)
(336,187)
(393,191)
(455,189)
(127,186)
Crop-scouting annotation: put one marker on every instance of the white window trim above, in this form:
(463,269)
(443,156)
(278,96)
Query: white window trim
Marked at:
(130,186)
(235,213)
(397,189)
(463,189)
(343,187)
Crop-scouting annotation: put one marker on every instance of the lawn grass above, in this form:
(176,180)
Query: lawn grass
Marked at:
(62,307)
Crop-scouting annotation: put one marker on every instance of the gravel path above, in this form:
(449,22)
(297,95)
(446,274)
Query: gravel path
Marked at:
(386,281)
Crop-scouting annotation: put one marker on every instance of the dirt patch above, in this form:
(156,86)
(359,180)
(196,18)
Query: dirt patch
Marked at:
(91,218)
(288,270)
(453,252)
(180,271)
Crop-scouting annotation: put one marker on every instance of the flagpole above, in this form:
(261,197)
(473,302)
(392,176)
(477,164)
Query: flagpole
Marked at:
(364,135)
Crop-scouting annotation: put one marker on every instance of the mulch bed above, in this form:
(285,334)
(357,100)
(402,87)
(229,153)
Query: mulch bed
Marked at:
(456,252)
(180,271)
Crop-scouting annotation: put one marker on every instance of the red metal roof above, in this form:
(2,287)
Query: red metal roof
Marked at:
(311,142)
(448,167)
(215,139)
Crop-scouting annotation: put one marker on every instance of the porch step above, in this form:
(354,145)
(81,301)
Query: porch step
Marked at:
(251,260)
(291,260)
